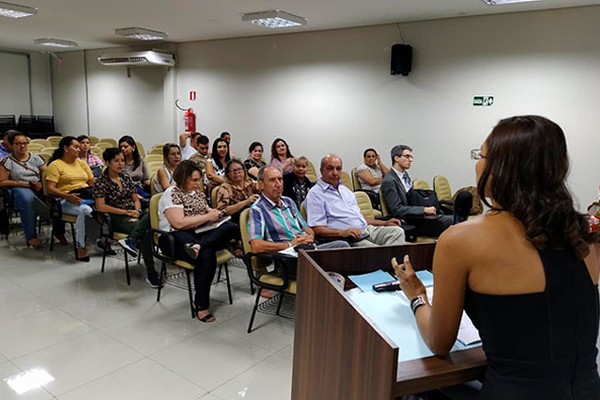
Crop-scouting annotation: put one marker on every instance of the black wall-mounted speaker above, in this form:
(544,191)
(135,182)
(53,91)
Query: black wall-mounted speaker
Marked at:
(401,59)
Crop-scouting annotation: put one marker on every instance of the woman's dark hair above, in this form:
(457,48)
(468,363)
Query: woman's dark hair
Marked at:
(254,145)
(136,153)
(184,171)
(12,134)
(167,149)
(274,149)
(215,155)
(526,166)
(110,153)
(60,150)
(82,137)
(368,150)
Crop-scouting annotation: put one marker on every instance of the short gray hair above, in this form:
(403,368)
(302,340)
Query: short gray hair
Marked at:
(261,172)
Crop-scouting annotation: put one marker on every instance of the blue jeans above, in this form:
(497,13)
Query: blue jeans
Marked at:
(80,211)
(23,199)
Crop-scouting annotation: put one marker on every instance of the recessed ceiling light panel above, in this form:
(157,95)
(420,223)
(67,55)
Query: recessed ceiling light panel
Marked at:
(59,43)
(501,2)
(16,11)
(141,33)
(274,19)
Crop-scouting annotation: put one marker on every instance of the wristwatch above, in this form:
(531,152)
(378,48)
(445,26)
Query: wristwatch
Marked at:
(417,302)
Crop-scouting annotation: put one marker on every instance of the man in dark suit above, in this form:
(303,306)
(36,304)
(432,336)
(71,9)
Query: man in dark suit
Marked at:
(396,187)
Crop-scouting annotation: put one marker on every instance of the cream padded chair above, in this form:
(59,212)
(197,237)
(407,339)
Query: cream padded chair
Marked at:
(112,142)
(256,264)
(54,140)
(153,157)
(355,181)
(223,257)
(347,181)
(421,184)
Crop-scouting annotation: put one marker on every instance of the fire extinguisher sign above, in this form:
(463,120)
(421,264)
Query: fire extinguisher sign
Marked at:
(192,95)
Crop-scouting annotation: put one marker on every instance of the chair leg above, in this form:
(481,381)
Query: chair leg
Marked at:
(162,276)
(254,309)
(189,284)
(219,273)
(74,241)
(104,253)
(51,235)
(228,283)
(127,268)
(280,303)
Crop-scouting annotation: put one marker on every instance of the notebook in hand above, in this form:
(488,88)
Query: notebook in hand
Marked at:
(212,225)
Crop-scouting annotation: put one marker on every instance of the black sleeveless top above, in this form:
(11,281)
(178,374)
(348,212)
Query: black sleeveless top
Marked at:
(541,345)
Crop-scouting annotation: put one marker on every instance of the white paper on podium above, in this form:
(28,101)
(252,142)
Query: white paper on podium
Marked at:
(391,313)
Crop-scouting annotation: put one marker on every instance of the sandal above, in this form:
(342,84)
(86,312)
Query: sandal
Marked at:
(192,250)
(34,243)
(208,318)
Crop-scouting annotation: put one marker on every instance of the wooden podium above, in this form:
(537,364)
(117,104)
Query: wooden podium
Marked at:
(340,354)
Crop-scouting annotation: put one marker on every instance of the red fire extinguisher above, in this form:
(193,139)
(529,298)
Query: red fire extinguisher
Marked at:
(190,120)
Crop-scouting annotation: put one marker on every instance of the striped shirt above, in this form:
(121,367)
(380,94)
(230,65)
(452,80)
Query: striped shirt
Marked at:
(275,223)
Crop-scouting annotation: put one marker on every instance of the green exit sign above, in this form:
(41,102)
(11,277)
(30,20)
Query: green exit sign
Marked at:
(484,101)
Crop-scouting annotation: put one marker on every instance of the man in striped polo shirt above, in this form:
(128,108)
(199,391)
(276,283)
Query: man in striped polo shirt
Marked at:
(275,222)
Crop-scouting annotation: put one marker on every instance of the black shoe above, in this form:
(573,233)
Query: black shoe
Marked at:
(100,243)
(130,246)
(153,281)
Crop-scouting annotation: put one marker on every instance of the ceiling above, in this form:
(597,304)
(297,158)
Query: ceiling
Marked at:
(92,23)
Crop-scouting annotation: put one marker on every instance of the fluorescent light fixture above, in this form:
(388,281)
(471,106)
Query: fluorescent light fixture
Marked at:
(141,33)
(60,43)
(274,19)
(16,11)
(29,380)
(501,2)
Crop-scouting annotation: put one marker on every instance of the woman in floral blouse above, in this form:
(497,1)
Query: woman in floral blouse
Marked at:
(181,209)
(115,194)
(238,192)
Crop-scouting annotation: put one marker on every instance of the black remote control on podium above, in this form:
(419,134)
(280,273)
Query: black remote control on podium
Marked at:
(389,286)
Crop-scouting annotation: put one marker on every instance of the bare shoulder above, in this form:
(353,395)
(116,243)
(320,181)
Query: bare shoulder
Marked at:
(466,234)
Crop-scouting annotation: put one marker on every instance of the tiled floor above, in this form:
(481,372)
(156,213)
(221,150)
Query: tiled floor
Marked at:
(101,339)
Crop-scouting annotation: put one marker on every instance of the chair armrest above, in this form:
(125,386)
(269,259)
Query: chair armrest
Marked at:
(156,251)
(276,258)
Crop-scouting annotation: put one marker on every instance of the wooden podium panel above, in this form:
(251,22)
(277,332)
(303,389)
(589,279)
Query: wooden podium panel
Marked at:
(340,354)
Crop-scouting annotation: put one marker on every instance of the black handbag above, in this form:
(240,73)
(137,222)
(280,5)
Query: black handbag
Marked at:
(422,197)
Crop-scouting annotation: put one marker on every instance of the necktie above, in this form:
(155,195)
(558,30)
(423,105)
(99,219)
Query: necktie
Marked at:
(406,179)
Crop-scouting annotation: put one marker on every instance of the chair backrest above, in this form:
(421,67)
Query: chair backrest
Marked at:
(355,181)
(104,145)
(421,184)
(155,150)
(112,142)
(97,151)
(364,203)
(93,140)
(153,166)
(213,196)
(153,213)
(347,181)
(42,142)
(303,211)
(258,264)
(311,172)
(140,148)
(55,140)
(385,210)
(442,187)
(36,147)
(153,157)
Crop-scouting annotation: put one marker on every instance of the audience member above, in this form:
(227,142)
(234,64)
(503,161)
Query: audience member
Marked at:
(5,148)
(188,144)
(21,172)
(281,157)
(333,212)
(94,162)
(115,194)
(274,222)
(215,167)
(181,209)
(135,166)
(370,175)
(202,156)
(296,185)
(397,188)
(255,161)
(238,192)
(70,180)
(227,137)
(526,272)
(164,176)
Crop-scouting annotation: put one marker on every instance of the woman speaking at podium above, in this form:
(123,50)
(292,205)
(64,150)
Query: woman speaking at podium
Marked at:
(526,272)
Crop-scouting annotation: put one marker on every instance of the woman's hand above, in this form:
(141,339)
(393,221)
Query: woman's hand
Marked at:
(251,199)
(73,198)
(410,284)
(133,214)
(213,215)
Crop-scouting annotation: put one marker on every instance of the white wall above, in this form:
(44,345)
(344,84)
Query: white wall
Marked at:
(332,92)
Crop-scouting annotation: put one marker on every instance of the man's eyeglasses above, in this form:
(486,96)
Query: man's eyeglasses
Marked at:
(476,154)
(408,156)
(236,171)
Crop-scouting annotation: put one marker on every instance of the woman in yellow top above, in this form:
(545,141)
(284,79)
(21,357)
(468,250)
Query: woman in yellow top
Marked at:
(70,179)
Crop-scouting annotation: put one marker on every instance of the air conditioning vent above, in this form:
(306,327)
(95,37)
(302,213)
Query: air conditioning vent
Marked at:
(143,58)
